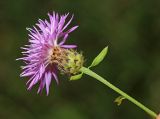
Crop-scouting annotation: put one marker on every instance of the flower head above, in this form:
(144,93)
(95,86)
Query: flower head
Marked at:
(43,55)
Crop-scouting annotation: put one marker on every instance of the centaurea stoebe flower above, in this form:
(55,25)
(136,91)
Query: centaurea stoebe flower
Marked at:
(47,51)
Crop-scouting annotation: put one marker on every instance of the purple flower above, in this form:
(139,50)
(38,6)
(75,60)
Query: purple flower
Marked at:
(37,55)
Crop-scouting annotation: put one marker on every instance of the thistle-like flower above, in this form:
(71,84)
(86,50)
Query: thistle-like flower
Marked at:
(48,52)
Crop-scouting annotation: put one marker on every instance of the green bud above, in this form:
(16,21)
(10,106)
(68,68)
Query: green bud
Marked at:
(72,62)
(68,61)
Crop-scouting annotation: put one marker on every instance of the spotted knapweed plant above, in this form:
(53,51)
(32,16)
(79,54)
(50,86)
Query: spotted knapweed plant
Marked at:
(47,53)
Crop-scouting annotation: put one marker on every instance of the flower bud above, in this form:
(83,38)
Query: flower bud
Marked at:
(68,61)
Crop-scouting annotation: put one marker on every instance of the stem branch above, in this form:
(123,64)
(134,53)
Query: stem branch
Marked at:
(101,79)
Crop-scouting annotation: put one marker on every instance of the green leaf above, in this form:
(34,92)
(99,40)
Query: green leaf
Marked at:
(119,100)
(76,77)
(100,57)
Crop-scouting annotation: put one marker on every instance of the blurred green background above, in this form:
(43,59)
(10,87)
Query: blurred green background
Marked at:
(131,29)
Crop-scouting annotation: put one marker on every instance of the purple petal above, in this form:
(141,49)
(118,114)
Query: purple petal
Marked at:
(68,46)
(69,31)
(42,84)
(72,29)
(62,22)
(68,23)
(48,81)
(23,74)
(33,82)
(55,77)
(64,40)
(41,71)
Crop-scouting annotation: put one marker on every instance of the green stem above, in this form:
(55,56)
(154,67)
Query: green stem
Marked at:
(99,78)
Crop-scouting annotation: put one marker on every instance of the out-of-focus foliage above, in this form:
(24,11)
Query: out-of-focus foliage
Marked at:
(131,29)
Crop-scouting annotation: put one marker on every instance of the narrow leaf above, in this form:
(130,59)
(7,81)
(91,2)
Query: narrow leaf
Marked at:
(76,77)
(119,100)
(100,57)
